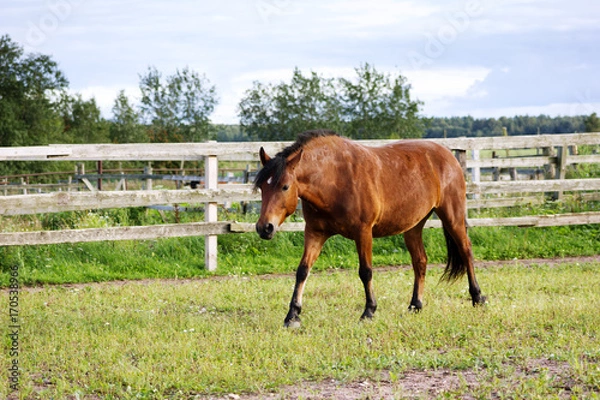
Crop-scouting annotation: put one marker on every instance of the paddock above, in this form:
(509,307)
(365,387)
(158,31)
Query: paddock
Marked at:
(492,182)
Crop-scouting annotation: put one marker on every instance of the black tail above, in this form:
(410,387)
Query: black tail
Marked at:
(456,267)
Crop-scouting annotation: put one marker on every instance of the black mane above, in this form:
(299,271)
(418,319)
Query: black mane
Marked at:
(276,166)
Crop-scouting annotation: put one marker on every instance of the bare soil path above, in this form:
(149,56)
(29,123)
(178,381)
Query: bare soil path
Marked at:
(414,384)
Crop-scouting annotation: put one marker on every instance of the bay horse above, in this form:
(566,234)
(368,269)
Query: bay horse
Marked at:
(362,193)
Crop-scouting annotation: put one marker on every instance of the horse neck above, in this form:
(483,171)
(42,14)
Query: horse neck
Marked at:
(311,182)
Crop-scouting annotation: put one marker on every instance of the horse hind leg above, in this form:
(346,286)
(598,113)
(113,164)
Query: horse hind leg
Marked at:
(414,243)
(364,247)
(460,253)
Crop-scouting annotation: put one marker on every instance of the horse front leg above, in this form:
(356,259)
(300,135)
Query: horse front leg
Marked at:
(313,243)
(364,246)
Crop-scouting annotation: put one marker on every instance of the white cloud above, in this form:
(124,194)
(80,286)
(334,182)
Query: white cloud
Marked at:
(522,16)
(541,51)
(432,85)
(359,14)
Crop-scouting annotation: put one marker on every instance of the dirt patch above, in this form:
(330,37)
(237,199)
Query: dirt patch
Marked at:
(417,384)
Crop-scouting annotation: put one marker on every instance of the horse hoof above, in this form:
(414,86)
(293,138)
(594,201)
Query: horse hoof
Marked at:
(415,306)
(480,301)
(293,324)
(367,316)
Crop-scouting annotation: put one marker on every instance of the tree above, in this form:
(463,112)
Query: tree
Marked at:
(126,126)
(592,123)
(375,105)
(29,87)
(178,109)
(378,106)
(83,121)
(279,112)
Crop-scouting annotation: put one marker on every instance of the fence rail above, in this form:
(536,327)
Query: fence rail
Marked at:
(248,151)
(553,160)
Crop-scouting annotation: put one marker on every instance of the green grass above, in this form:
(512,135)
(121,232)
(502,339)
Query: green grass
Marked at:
(176,339)
(217,336)
(247,254)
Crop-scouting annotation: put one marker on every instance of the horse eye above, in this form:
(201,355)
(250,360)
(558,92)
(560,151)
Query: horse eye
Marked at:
(285,187)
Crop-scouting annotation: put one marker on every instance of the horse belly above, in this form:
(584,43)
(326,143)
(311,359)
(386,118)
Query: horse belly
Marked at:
(404,211)
(394,227)
(408,186)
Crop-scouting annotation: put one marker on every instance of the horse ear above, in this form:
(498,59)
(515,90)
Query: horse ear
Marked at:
(291,163)
(264,157)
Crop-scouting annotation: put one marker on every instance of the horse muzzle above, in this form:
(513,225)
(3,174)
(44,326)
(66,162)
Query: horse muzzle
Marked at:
(265,231)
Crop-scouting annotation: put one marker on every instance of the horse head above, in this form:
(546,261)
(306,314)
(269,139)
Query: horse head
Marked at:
(279,191)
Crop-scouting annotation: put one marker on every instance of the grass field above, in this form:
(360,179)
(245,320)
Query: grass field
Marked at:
(538,337)
(184,332)
(247,254)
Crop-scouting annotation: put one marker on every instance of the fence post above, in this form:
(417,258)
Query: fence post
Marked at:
(461,156)
(179,184)
(549,169)
(561,168)
(476,171)
(244,204)
(148,171)
(122,185)
(100,171)
(496,170)
(24,185)
(211,181)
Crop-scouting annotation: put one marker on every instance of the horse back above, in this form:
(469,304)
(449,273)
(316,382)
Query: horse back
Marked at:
(415,177)
(389,188)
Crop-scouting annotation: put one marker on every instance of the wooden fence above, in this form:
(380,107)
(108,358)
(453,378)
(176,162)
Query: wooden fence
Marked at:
(553,158)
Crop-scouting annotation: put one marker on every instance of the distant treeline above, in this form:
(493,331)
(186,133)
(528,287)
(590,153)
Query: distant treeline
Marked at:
(519,125)
(450,127)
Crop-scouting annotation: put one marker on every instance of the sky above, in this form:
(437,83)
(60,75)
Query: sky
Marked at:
(484,58)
